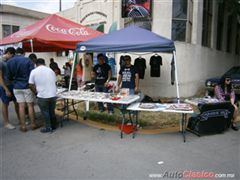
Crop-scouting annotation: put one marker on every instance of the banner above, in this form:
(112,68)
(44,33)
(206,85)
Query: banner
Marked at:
(136,8)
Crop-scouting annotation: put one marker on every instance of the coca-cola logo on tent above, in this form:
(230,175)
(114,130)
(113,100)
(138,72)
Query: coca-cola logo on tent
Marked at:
(72,31)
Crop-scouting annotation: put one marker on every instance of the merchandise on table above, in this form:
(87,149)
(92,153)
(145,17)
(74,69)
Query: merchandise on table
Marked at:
(180,107)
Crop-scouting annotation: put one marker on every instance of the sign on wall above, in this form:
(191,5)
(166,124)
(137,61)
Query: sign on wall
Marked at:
(136,8)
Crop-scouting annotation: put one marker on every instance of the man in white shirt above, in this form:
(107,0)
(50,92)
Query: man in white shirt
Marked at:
(42,82)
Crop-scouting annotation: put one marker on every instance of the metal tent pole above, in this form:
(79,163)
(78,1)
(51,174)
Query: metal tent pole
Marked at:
(176,76)
(31,44)
(72,71)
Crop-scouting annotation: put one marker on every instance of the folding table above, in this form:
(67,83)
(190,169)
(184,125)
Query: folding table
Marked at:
(88,97)
(171,108)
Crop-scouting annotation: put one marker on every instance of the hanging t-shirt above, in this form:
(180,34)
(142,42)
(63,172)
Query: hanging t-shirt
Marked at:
(128,76)
(155,63)
(101,72)
(87,67)
(105,59)
(140,65)
(112,64)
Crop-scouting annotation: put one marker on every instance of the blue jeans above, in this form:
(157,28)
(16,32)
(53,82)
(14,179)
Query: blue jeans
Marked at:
(102,88)
(131,91)
(47,107)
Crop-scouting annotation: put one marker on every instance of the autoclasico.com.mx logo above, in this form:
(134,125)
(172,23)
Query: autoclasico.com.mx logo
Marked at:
(188,174)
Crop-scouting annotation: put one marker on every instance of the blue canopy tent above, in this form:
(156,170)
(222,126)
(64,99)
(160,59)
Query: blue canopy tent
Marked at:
(131,39)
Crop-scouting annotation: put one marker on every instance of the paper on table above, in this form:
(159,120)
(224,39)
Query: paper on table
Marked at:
(181,106)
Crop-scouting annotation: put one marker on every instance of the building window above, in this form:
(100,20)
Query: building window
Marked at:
(229,33)
(207,22)
(9,29)
(145,23)
(237,48)
(220,25)
(182,16)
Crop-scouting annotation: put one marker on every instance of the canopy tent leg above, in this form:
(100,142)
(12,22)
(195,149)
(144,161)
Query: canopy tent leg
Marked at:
(31,44)
(176,76)
(72,71)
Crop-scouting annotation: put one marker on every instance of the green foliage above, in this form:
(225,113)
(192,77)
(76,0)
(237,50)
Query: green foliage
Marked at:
(101,117)
(146,119)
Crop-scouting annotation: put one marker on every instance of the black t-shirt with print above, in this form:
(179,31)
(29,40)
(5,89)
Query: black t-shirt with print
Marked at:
(128,76)
(101,72)
(140,65)
(155,63)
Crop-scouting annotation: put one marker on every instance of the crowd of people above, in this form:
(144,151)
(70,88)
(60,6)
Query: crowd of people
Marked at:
(25,80)
(22,80)
(101,73)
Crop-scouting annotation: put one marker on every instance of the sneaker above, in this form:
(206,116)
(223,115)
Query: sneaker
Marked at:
(54,128)
(9,126)
(35,126)
(46,130)
(23,129)
(234,127)
(110,112)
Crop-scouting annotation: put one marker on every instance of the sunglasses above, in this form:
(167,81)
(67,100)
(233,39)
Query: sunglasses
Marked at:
(227,79)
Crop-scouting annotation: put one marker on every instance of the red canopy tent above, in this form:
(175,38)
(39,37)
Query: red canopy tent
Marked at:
(53,33)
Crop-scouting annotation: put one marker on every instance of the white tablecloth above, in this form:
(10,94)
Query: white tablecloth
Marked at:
(158,107)
(97,97)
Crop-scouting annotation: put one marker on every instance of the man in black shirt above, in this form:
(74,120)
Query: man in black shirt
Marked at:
(128,77)
(53,65)
(102,74)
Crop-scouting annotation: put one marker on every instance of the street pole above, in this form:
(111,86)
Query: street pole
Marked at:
(60,5)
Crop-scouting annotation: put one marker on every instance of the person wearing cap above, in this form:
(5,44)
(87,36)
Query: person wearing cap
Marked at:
(224,92)
(19,70)
(6,88)
(46,93)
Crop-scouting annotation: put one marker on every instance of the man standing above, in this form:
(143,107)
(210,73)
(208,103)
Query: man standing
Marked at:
(102,74)
(53,65)
(128,76)
(6,88)
(33,58)
(19,71)
(46,93)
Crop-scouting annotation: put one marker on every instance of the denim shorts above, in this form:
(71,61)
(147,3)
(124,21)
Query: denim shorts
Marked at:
(5,99)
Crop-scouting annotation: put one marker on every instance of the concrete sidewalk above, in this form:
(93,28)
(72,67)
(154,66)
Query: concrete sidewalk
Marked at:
(77,151)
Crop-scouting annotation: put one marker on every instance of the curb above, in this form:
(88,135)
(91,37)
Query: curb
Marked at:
(99,125)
